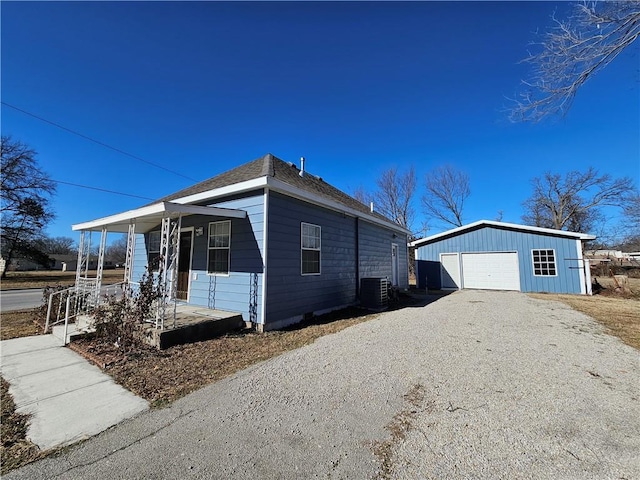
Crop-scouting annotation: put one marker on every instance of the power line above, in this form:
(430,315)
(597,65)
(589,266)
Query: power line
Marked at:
(96,141)
(102,190)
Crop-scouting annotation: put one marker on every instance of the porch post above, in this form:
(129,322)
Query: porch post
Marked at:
(81,258)
(165,234)
(128,264)
(175,258)
(84,252)
(100,266)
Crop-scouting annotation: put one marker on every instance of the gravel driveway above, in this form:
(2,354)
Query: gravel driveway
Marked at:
(474,385)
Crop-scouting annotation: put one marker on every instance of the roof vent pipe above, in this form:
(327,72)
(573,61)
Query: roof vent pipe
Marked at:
(301,167)
(371,206)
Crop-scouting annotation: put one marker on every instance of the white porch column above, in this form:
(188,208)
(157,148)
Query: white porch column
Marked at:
(173,264)
(128,264)
(165,234)
(84,249)
(100,266)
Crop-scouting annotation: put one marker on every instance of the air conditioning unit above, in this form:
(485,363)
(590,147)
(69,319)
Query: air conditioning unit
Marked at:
(374,293)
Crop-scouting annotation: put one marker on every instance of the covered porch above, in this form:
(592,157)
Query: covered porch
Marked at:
(170,309)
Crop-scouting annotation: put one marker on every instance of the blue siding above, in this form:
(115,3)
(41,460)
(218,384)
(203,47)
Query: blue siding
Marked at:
(139,258)
(291,294)
(375,253)
(491,239)
(241,290)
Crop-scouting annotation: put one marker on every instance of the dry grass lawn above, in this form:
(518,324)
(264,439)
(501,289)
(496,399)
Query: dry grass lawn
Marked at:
(44,278)
(619,313)
(15,450)
(20,323)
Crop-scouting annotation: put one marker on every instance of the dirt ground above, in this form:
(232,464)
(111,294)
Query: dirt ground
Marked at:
(620,313)
(20,323)
(163,376)
(43,278)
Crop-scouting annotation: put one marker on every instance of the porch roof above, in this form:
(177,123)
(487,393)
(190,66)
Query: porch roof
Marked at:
(147,218)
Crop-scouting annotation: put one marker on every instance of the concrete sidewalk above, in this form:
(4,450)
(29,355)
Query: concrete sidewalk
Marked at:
(68,398)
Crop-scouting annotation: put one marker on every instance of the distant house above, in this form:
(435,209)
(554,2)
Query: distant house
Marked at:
(503,256)
(21,264)
(267,240)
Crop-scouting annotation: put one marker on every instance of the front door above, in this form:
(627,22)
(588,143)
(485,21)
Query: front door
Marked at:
(184,265)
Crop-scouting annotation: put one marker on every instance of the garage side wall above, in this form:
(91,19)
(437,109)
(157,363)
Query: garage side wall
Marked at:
(489,239)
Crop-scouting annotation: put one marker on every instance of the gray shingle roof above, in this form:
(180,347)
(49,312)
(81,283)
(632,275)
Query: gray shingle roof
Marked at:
(288,173)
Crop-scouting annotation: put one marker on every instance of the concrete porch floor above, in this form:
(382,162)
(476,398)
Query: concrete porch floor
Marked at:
(193,323)
(192,314)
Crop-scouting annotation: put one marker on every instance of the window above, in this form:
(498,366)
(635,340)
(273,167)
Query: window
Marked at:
(219,247)
(153,251)
(311,247)
(544,263)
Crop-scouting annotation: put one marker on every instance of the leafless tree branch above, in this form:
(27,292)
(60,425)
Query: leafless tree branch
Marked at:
(573,202)
(572,52)
(447,189)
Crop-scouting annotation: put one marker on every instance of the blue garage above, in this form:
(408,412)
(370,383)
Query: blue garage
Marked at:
(503,256)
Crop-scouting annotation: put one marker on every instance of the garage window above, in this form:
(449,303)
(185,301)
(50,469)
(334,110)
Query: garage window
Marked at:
(544,263)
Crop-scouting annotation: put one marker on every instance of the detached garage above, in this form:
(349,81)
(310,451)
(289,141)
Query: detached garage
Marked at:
(503,256)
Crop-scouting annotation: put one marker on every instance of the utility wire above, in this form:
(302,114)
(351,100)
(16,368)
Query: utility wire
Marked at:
(102,190)
(96,141)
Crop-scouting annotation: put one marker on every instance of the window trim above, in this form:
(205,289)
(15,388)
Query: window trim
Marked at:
(303,248)
(156,252)
(209,248)
(546,262)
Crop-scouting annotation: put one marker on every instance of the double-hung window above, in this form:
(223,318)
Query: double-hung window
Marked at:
(153,251)
(219,248)
(311,246)
(544,263)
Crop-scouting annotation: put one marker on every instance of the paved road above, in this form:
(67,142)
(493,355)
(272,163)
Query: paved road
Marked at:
(20,299)
(475,385)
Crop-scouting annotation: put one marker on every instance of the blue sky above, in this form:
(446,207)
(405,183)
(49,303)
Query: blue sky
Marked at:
(200,88)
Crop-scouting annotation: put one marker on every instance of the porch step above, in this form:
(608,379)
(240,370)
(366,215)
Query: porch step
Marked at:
(74,330)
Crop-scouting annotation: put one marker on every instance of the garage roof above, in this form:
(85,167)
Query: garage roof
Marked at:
(504,226)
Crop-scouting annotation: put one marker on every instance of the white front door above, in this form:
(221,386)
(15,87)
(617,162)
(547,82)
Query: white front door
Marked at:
(394,264)
(449,271)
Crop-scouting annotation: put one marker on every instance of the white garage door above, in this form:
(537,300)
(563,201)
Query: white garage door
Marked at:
(491,271)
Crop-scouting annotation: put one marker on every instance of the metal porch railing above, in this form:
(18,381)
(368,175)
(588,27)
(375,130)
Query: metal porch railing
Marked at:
(67,304)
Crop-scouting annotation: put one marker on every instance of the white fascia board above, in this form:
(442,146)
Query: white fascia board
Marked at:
(241,187)
(279,186)
(510,226)
(157,210)
(304,195)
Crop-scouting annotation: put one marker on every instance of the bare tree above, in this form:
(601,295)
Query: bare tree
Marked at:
(362,195)
(572,52)
(573,202)
(58,245)
(447,189)
(395,195)
(117,251)
(24,202)
(632,214)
